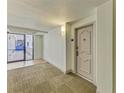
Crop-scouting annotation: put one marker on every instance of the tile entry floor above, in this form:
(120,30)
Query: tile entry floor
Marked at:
(45,78)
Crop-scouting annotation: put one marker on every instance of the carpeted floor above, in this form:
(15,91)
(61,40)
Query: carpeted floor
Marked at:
(45,78)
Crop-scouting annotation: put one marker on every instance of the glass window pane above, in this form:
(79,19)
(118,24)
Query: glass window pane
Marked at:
(15,47)
(29,47)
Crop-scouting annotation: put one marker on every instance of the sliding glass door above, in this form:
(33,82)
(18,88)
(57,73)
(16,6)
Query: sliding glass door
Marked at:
(15,47)
(20,47)
(28,47)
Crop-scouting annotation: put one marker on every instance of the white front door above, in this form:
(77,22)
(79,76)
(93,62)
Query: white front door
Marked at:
(84,50)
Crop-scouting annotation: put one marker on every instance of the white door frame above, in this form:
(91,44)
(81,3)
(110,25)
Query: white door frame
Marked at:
(94,52)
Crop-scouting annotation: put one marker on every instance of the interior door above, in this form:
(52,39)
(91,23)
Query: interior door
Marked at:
(84,50)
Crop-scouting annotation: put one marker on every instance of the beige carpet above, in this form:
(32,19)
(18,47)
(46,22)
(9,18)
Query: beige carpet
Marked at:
(45,78)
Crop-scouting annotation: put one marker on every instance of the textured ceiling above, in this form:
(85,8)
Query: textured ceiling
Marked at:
(45,14)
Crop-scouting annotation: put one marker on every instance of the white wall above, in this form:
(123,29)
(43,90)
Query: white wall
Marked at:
(55,47)
(104,47)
